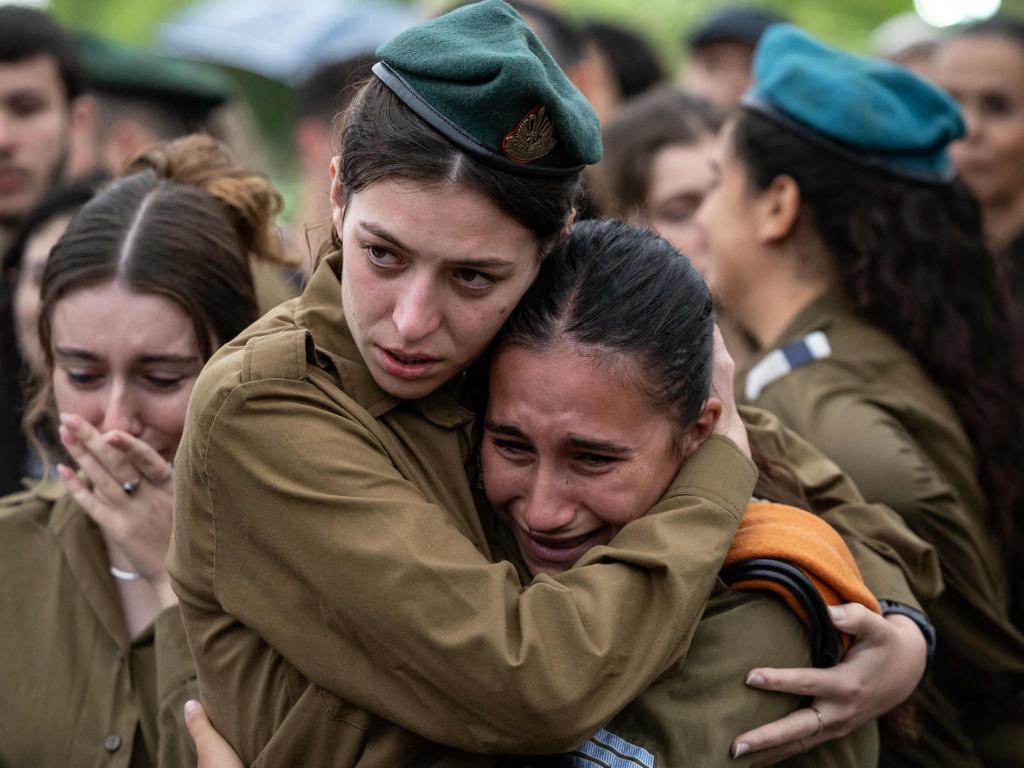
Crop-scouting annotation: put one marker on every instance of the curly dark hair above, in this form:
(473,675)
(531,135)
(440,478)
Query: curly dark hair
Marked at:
(912,258)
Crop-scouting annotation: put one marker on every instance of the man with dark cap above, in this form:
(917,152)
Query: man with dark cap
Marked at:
(41,108)
(722,51)
(142,98)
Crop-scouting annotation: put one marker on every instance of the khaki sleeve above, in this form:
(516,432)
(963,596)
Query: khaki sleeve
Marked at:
(896,563)
(317,543)
(979,653)
(176,684)
(690,716)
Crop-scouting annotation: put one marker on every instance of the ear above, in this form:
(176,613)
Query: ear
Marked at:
(777,209)
(703,428)
(337,195)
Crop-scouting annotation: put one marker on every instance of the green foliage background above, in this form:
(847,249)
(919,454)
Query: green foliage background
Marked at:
(663,22)
(846,22)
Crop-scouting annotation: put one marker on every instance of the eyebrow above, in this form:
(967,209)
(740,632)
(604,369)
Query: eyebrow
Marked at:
(575,441)
(505,429)
(83,354)
(598,446)
(486,262)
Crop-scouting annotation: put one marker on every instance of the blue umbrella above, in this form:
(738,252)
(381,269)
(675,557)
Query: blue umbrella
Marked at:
(282,40)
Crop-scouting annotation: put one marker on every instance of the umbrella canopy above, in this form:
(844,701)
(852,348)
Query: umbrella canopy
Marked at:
(281,39)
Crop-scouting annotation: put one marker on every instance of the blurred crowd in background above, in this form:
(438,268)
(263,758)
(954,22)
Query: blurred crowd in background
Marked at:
(269,84)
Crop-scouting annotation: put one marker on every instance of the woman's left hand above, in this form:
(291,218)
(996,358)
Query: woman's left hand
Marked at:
(881,669)
(131,498)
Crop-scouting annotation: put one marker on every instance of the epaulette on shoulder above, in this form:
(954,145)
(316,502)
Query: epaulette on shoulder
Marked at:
(785,360)
(279,355)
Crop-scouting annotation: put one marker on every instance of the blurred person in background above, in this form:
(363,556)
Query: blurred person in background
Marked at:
(982,66)
(324,94)
(142,98)
(844,242)
(908,40)
(21,358)
(150,277)
(626,57)
(656,171)
(41,107)
(721,51)
(42,111)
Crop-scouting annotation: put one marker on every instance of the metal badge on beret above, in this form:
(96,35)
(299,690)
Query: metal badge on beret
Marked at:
(532,138)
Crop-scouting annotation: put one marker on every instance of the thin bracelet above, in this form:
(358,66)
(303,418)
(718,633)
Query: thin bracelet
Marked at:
(117,573)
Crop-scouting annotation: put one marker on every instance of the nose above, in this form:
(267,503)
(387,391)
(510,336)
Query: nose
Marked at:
(548,507)
(417,314)
(122,412)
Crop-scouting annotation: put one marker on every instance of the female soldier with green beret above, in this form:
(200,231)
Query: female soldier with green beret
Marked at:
(843,243)
(334,575)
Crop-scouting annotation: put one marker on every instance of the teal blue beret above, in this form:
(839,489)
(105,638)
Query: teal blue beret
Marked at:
(480,77)
(868,110)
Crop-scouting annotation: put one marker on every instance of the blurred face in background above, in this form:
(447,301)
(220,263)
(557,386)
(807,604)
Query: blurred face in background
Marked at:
(680,177)
(26,294)
(34,134)
(986,75)
(720,72)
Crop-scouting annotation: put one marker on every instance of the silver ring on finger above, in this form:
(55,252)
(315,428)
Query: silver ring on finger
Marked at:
(131,486)
(821,720)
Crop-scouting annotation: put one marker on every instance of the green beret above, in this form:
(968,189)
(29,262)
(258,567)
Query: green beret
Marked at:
(122,71)
(481,78)
(868,110)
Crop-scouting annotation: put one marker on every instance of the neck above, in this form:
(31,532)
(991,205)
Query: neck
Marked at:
(777,297)
(1003,221)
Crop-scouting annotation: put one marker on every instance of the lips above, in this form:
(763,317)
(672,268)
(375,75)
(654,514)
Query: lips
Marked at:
(406,364)
(11,180)
(559,550)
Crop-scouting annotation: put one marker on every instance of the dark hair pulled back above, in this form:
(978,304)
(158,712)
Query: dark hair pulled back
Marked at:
(912,258)
(182,223)
(380,138)
(625,295)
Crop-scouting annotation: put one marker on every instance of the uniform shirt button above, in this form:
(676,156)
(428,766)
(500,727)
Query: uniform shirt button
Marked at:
(112,743)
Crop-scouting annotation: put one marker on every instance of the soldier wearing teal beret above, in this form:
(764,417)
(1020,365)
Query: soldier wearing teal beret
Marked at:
(842,240)
(869,110)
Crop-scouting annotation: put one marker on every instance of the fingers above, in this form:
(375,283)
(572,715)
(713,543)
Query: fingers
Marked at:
(212,749)
(801,724)
(150,464)
(729,423)
(100,513)
(105,466)
(858,620)
(805,681)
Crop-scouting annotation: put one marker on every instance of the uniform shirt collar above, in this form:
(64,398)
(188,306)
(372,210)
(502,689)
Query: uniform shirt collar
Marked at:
(816,316)
(320,311)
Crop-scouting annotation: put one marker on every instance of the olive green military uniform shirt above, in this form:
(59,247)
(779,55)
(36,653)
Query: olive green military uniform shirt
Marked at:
(689,717)
(867,404)
(336,581)
(75,690)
